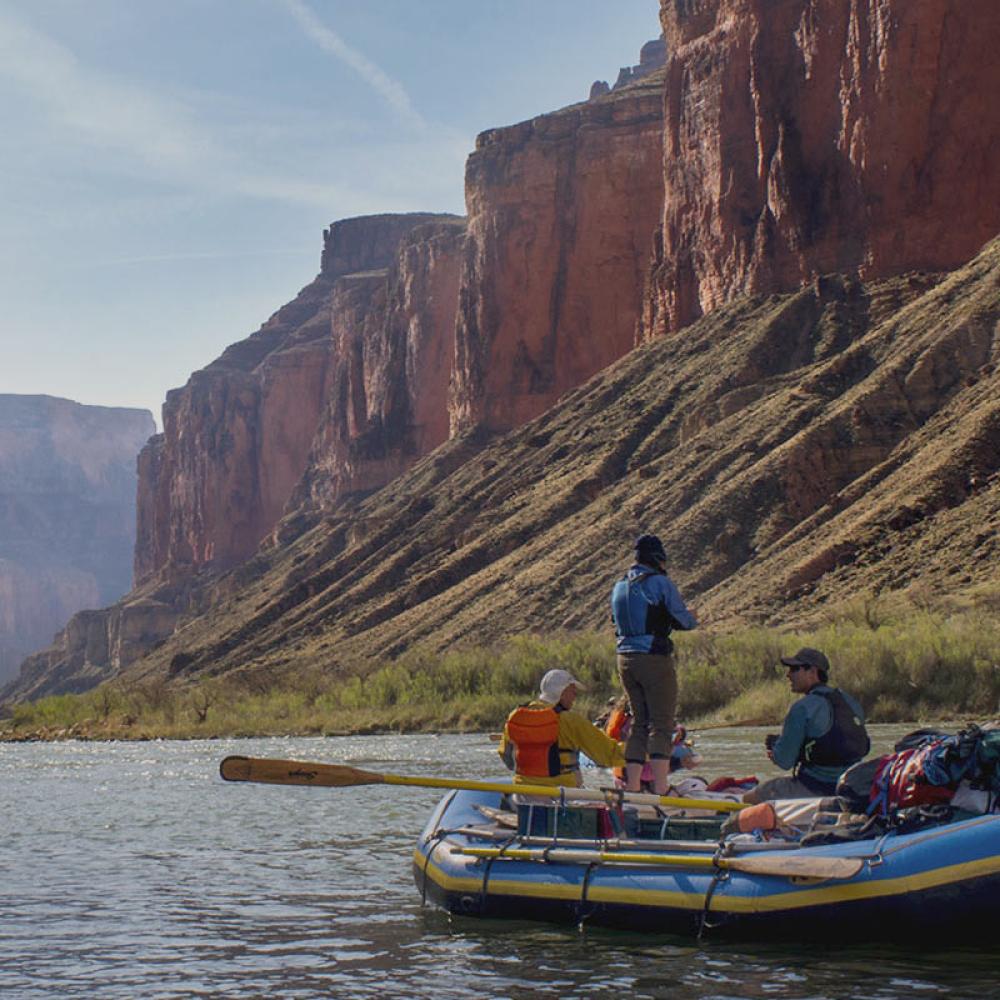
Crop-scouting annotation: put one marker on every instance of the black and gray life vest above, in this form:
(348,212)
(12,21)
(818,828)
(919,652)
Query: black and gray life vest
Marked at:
(844,743)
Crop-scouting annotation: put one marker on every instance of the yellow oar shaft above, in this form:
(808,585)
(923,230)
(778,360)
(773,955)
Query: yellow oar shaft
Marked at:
(786,866)
(570,856)
(570,794)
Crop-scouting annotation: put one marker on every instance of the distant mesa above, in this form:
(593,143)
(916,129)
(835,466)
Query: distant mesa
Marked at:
(652,56)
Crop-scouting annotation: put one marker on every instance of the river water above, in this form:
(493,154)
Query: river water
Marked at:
(132,870)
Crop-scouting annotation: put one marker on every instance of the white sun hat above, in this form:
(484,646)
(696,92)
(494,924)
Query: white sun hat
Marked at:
(554,683)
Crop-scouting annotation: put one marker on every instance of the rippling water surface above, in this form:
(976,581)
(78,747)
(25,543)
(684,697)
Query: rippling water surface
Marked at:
(133,870)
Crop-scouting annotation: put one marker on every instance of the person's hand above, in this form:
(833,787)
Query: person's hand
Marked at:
(769,742)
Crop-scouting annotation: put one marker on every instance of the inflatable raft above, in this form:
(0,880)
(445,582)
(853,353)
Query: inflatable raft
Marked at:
(941,881)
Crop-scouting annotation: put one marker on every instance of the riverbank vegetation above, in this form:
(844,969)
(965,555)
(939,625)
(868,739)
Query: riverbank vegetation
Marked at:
(912,659)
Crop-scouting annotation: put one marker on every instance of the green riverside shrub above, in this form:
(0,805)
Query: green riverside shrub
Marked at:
(903,661)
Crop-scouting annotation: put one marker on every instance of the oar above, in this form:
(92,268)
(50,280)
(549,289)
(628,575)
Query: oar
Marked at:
(294,772)
(741,723)
(789,867)
(624,843)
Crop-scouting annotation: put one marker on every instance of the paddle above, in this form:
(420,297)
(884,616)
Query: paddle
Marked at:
(497,737)
(269,770)
(789,867)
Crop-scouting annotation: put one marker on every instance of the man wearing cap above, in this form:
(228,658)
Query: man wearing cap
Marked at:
(823,734)
(645,607)
(542,740)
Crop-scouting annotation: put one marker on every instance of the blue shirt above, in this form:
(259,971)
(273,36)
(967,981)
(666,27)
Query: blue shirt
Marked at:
(644,607)
(808,719)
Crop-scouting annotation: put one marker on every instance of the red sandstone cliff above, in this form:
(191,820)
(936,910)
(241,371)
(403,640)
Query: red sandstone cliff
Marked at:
(806,137)
(562,210)
(237,437)
(394,336)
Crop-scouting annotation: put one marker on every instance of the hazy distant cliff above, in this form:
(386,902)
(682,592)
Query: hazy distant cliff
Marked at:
(67,514)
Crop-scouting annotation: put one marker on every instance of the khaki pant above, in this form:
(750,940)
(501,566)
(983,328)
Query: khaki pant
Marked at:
(784,788)
(650,681)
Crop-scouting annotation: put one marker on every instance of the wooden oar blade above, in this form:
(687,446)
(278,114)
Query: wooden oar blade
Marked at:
(270,771)
(796,867)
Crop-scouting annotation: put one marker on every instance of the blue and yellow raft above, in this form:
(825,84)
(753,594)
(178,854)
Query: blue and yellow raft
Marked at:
(942,881)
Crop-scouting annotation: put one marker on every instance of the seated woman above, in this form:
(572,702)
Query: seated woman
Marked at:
(542,740)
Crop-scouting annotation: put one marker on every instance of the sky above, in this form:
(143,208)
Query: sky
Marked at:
(167,167)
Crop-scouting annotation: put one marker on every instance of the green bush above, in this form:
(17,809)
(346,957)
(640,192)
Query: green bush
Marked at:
(903,661)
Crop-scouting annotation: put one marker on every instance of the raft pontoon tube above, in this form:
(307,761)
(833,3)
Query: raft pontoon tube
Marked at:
(938,882)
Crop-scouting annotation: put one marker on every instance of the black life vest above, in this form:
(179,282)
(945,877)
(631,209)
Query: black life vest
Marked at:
(844,743)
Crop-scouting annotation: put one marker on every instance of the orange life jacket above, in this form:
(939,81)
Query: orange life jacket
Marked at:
(617,721)
(534,731)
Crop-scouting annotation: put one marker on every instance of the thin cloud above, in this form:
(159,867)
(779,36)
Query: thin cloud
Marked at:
(106,112)
(166,258)
(161,135)
(392,92)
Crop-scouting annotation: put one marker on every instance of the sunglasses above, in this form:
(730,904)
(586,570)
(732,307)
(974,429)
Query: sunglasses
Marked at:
(794,667)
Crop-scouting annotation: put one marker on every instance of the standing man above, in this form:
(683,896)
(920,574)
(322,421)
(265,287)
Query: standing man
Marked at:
(823,734)
(645,607)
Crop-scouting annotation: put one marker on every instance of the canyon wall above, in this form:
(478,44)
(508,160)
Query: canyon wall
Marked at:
(67,514)
(239,435)
(783,142)
(394,336)
(794,452)
(562,210)
(806,137)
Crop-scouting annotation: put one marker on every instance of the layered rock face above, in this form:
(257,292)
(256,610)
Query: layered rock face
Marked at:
(562,211)
(807,137)
(67,514)
(394,338)
(652,56)
(238,436)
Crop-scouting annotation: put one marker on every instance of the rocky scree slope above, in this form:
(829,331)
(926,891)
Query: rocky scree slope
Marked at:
(791,450)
